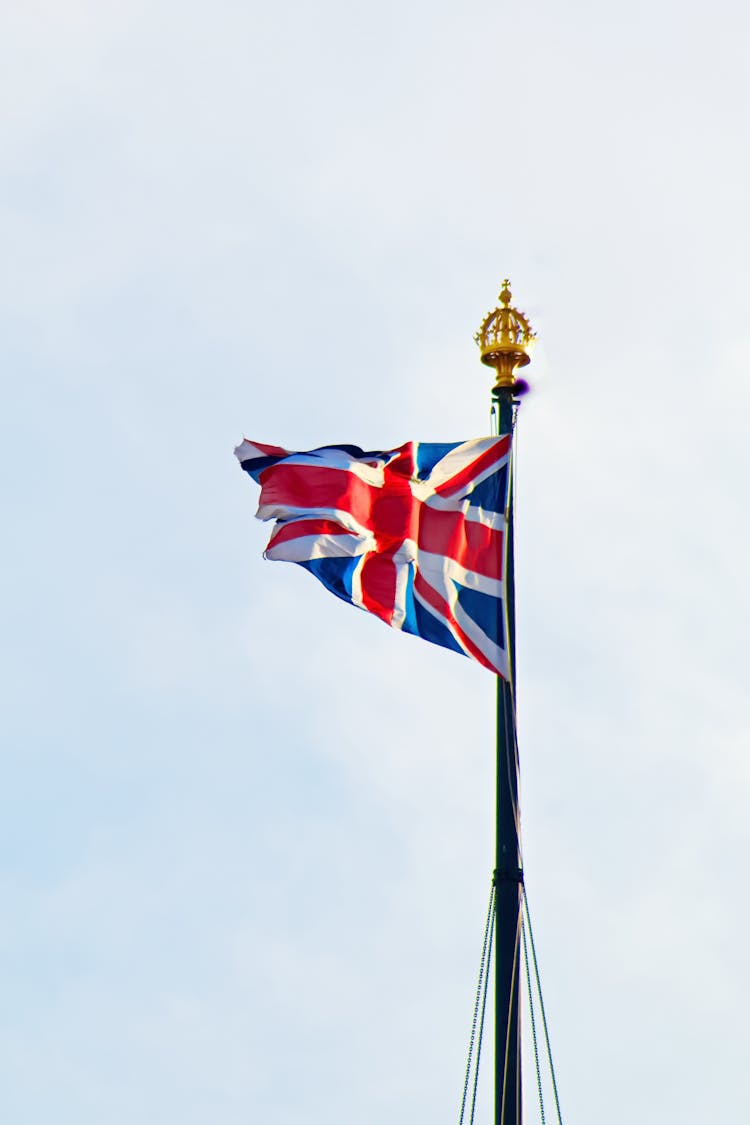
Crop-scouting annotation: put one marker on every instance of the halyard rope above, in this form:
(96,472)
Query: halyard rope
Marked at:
(541,1008)
(480,1006)
(481,999)
(533,1022)
(481,1017)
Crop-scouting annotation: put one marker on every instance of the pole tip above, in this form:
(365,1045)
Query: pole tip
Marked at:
(505,340)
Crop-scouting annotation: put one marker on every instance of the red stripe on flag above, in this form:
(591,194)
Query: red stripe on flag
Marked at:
(471,544)
(312,486)
(378,579)
(394,513)
(405,463)
(430,595)
(269,450)
(495,453)
(296,529)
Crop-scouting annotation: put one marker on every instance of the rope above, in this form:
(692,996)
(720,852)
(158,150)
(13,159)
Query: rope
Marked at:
(533,1022)
(481,998)
(541,1008)
(480,1007)
(481,1020)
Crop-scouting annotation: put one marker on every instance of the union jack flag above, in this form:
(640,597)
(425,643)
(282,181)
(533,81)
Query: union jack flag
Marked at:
(415,535)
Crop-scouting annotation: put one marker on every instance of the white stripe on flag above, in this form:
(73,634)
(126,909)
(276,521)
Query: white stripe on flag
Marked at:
(307,547)
(496,655)
(441,572)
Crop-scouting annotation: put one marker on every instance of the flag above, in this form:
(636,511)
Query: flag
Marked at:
(415,535)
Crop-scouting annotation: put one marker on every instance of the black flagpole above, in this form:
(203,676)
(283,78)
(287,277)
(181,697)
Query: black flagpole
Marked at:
(504,339)
(508,875)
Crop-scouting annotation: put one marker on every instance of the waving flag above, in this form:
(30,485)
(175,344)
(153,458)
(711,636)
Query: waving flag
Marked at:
(415,535)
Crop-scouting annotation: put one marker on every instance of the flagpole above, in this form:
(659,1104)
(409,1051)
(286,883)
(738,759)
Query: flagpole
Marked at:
(505,338)
(508,875)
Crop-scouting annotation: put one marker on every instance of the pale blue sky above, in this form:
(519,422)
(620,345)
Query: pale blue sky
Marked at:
(245,831)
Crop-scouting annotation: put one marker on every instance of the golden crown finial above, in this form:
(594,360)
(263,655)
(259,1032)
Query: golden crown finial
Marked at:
(505,339)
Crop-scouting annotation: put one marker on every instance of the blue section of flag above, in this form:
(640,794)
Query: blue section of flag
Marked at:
(484,608)
(428,455)
(334,573)
(489,494)
(410,612)
(433,629)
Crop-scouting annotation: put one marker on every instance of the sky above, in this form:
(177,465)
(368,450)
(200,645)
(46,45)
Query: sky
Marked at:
(245,831)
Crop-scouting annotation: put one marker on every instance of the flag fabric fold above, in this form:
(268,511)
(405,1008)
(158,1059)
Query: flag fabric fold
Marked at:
(415,535)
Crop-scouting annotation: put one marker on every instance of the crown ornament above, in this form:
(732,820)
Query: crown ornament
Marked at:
(505,339)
